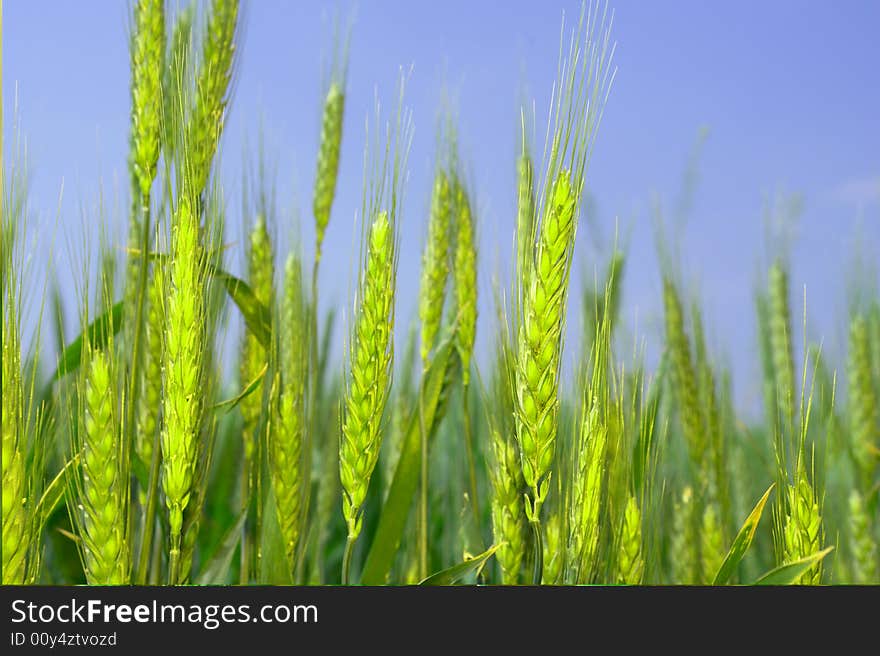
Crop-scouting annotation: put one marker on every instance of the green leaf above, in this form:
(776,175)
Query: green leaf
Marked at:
(742,542)
(275,568)
(456,573)
(790,573)
(256,315)
(98,333)
(247,391)
(392,522)
(216,572)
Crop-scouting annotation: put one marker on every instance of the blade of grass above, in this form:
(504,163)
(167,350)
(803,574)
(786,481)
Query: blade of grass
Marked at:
(790,573)
(216,571)
(456,573)
(742,542)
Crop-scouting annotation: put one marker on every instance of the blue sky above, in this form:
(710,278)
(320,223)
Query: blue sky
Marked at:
(787,89)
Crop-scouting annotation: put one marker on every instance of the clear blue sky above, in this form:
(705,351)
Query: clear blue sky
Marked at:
(788,89)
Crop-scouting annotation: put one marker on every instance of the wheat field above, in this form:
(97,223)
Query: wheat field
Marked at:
(146,451)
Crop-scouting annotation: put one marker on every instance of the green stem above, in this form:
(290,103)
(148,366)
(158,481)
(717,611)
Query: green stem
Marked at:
(312,399)
(173,560)
(150,513)
(538,572)
(346,561)
(143,208)
(244,567)
(472,466)
(423,495)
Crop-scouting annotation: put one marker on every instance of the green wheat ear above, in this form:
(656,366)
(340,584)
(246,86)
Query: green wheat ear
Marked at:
(539,344)
(328,160)
(683,554)
(286,441)
(435,263)
(587,493)
(465,278)
(684,375)
(253,353)
(554,553)
(781,346)
(525,209)
(711,543)
(14,497)
(103,497)
(863,545)
(508,513)
(183,402)
(150,398)
(862,401)
(630,561)
(147,71)
(370,372)
(208,115)
(802,531)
